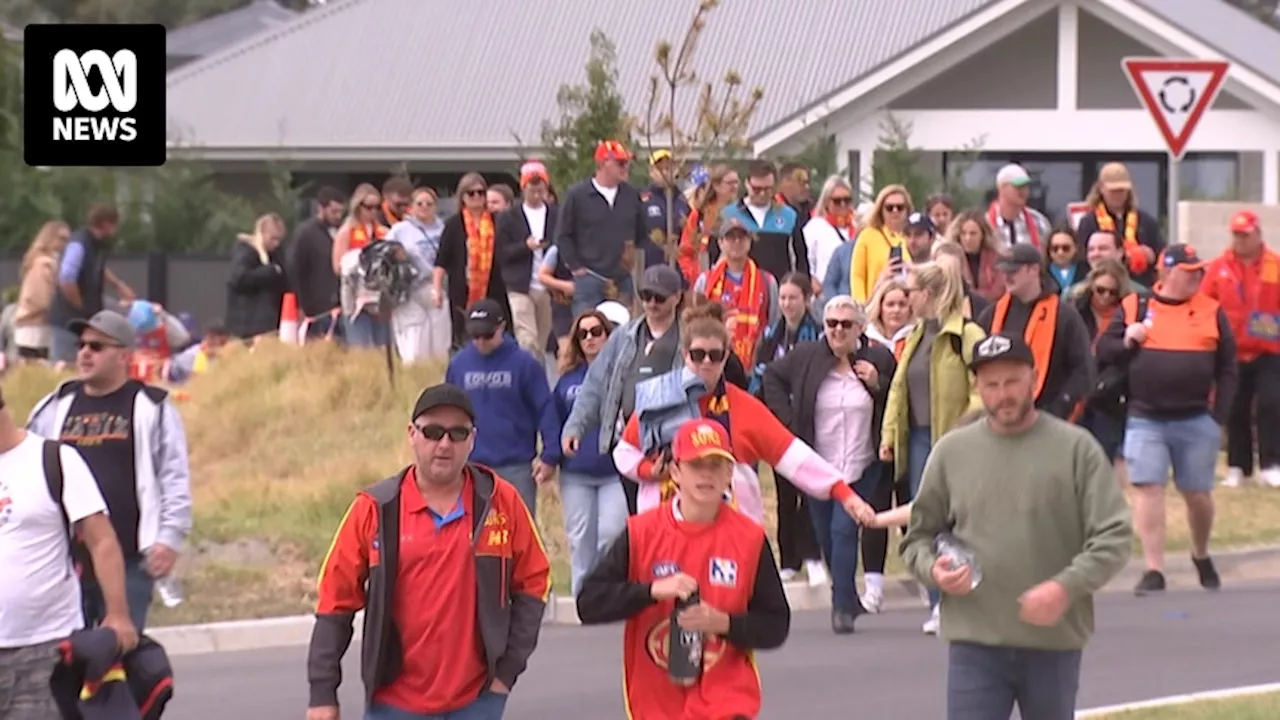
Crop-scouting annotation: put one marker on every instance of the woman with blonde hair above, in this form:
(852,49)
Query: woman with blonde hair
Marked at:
(38,284)
(981,251)
(932,389)
(256,287)
(832,227)
(467,256)
(950,252)
(889,318)
(700,227)
(882,243)
(364,323)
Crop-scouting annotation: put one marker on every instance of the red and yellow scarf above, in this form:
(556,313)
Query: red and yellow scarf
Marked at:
(479,254)
(843,222)
(748,299)
(993,219)
(1132,249)
(362,236)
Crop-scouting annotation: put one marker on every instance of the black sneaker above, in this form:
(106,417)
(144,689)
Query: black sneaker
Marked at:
(1209,579)
(842,622)
(1152,582)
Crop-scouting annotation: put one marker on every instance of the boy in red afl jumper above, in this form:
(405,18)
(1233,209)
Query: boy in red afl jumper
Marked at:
(693,543)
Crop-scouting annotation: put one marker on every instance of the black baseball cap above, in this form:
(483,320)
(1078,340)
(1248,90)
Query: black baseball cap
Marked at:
(1181,255)
(1019,255)
(922,222)
(1000,347)
(484,317)
(443,395)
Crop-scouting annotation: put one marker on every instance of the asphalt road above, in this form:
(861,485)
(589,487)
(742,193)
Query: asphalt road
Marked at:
(1186,641)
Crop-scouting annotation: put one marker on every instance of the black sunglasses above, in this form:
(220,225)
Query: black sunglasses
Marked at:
(650,296)
(895,207)
(370,206)
(845,324)
(435,432)
(700,355)
(1061,248)
(845,201)
(1104,291)
(594,331)
(759,188)
(473,192)
(98,346)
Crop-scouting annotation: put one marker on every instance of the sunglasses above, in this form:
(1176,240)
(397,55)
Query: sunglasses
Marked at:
(594,331)
(649,296)
(842,201)
(474,192)
(700,355)
(759,188)
(1061,248)
(895,207)
(98,346)
(370,206)
(435,432)
(1105,291)
(832,324)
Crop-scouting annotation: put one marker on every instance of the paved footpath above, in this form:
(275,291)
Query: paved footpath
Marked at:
(1186,641)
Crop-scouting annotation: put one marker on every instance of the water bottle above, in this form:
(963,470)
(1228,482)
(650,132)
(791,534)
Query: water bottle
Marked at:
(945,545)
(169,590)
(684,648)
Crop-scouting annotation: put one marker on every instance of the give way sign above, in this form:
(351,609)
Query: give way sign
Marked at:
(1177,92)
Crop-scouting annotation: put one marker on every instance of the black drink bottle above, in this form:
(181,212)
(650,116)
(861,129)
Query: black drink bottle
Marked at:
(684,648)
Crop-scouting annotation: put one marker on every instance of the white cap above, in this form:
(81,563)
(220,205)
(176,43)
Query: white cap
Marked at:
(615,311)
(1014,175)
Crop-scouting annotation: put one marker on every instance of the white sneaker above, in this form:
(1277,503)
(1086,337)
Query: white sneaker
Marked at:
(924,597)
(1271,477)
(787,574)
(930,626)
(816,572)
(1234,478)
(873,600)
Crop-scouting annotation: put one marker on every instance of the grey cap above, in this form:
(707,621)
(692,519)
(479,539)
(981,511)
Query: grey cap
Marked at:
(1019,255)
(661,279)
(109,323)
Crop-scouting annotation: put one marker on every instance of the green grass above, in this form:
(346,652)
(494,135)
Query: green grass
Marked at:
(1257,707)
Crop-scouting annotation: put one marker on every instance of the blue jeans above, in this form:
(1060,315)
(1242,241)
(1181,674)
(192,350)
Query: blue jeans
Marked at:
(984,682)
(489,706)
(588,292)
(364,329)
(1189,447)
(64,345)
(521,475)
(837,535)
(319,328)
(919,445)
(595,512)
(138,589)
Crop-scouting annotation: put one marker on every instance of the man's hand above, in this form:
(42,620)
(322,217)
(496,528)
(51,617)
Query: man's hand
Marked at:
(1044,604)
(569,444)
(659,467)
(1135,334)
(542,472)
(952,581)
(816,286)
(532,243)
(160,560)
(125,293)
(867,373)
(886,453)
(674,586)
(860,511)
(497,687)
(705,619)
(323,713)
(126,633)
(580,272)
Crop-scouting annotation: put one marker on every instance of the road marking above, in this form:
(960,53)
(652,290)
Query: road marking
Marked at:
(1224,694)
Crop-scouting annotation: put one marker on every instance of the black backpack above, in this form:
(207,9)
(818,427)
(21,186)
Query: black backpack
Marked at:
(53,479)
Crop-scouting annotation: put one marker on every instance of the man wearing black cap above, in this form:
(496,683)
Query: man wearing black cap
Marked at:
(512,399)
(921,232)
(449,631)
(1026,495)
(1031,309)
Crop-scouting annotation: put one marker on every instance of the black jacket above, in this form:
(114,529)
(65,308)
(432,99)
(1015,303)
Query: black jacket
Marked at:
(791,384)
(309,267)
(1148,233)
(84,690)
(592,234)
(513,256)
(452,258)
(91,281)
(254,292)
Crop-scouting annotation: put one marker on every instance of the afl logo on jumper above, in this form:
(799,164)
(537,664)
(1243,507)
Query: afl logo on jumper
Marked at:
(665,568)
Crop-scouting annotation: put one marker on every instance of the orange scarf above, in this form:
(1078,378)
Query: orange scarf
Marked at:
(1042,325)
(695,239)
(361,237)
(479,255)
(845,223)
(1132,249)
(747,300)
(993,220)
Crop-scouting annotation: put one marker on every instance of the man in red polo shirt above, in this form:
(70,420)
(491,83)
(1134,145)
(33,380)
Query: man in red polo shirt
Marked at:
(695,543)
(446,633)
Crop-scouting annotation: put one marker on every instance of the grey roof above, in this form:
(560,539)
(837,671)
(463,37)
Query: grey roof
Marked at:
(229,28)
(1236,34)
(367,73)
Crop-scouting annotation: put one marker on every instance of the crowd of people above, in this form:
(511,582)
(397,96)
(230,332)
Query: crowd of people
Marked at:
(978,374)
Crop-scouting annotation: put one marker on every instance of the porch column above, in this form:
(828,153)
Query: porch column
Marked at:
(1271,176)
(1068,55)
(865,181)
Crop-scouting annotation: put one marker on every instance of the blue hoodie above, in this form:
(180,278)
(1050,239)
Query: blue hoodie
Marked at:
(512,401)
(589,461)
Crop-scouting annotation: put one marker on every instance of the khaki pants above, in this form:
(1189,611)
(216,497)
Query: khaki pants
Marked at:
(531,320)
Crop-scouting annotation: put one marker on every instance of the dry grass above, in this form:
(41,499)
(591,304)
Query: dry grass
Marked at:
(1257,707)
(282,438)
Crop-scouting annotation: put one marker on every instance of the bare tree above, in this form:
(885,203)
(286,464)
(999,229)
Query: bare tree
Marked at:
(714,128)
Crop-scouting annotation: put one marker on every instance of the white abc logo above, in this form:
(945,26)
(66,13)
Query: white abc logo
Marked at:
(119,81)
(71,91)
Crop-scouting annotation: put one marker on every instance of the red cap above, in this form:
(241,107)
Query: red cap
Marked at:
(1244,221)
(697,439)
(531,170)
(612,150)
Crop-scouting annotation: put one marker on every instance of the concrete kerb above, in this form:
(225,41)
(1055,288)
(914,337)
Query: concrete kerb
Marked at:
(900,592)
(1227,694)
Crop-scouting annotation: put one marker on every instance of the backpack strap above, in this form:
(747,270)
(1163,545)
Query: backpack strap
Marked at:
(52,453)
(957,341)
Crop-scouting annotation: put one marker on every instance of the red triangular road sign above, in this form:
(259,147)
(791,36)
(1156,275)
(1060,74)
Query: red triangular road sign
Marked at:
(1176,92)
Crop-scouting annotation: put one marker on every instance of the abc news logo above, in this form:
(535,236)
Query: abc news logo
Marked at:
(95,95)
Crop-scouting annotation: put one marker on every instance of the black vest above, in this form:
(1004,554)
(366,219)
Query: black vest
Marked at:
(91,281)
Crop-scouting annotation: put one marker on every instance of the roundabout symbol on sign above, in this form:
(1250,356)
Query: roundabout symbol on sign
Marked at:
(1176,88)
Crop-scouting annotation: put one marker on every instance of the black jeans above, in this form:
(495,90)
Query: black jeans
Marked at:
(1260,383)
(875,543)
(984,682)
(796,541)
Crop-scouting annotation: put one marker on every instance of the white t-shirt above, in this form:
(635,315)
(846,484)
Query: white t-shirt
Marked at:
(39,590)
(537,218)
(609,193)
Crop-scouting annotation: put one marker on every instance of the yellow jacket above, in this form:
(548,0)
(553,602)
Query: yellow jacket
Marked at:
(870,255)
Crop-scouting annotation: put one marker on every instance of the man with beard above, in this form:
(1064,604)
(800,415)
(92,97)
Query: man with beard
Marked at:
(1032,496)
(309,264)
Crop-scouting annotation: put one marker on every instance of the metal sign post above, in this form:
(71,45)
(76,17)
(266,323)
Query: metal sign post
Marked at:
(1176,92)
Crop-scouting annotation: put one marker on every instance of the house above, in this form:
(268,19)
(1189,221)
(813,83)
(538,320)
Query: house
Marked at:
(351,89)
(206,37)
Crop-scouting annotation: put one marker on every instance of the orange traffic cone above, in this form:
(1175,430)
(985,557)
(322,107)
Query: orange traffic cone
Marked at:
(289,319)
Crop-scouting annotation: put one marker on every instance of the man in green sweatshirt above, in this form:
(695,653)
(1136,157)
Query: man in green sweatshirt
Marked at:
(1034,499)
